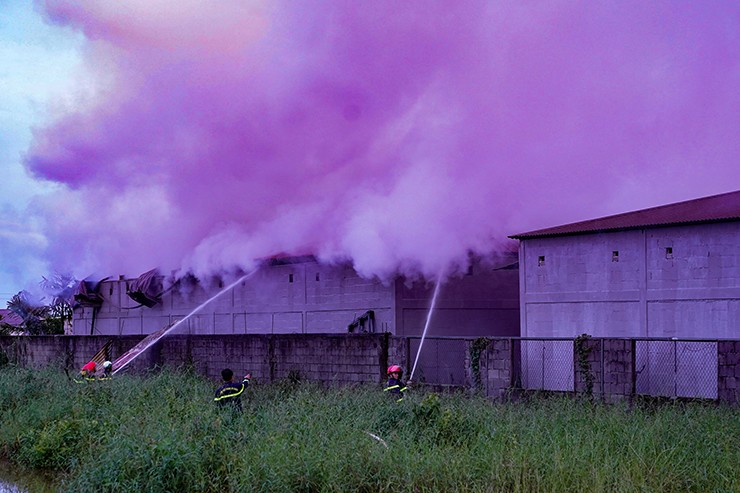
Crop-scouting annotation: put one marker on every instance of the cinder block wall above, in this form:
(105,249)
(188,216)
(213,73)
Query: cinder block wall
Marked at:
(496,366)
(70,352)
(610,362)
(325,358)
(728,371)
(341,359)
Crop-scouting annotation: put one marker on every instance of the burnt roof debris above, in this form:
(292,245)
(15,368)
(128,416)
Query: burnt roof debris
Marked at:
(87,293)
(285,259)
(364,323)
(146,289)
(724,207)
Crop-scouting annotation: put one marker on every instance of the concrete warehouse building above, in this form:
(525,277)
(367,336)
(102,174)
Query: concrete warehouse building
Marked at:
(301,295)
(666,272)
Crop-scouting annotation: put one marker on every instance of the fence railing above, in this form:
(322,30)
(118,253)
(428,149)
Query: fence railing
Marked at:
(675,368)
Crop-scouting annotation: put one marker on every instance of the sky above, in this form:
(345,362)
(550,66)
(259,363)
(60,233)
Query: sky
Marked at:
(198,136)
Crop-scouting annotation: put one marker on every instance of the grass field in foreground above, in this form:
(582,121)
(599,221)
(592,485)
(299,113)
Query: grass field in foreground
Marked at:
(161,432)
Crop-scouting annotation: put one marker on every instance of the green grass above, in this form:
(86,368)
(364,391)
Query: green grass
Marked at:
(163,433)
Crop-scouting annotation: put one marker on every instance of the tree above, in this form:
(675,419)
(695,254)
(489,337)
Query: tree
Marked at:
(5,328)
(61,288)
(40,318)
(31,313)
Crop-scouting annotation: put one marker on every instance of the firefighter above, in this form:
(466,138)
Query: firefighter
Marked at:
(395,386)
(107,370)
(87,373)
(229,394)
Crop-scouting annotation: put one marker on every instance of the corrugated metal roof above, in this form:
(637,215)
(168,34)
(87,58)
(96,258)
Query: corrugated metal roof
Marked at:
(10,318)
(716,208)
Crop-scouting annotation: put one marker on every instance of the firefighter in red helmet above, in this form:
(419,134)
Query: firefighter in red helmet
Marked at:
(394,385)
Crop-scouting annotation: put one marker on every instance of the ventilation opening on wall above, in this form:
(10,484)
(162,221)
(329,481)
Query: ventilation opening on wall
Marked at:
(668,252)
(290,277)
(615,256)
(541,260)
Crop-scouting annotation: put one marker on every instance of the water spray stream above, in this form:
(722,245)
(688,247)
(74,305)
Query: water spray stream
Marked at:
(426,325)
(125,361)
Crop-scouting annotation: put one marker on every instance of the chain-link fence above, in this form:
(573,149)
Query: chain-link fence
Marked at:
(442,360)
(546,364)
(674,368)
(652,367)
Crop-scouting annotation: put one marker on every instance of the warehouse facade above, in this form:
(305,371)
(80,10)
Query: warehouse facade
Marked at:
(666,272)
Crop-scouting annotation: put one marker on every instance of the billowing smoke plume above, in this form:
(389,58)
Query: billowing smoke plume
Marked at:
(399,135)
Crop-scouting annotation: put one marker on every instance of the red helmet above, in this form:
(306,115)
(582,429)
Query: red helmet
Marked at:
(90,366)
(394,369)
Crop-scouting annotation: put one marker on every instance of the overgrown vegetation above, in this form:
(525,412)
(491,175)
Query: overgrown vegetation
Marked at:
(476,348)
(162,433)
(583,350)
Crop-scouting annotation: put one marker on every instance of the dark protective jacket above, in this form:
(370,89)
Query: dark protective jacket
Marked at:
(229,394)
(84,378)
(396,387)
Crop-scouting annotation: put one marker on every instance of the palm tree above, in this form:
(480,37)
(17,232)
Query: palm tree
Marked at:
(32,314)
(61,289)
(39,318)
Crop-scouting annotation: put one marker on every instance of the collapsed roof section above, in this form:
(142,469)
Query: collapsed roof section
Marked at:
(87,293)
(146,289)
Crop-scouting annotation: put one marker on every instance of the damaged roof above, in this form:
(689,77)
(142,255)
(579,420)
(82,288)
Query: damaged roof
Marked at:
(9,317)
(724,207)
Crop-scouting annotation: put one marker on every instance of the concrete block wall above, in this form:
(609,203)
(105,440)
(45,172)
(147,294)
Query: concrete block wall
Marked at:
(329,358)
(497,367)
(590,350)
(333,359)
(728,371)
(324,358)
(611,365)
(399,353)
(69,352)
(209,354)
(619,367)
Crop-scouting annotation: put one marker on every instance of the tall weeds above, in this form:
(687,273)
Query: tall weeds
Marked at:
(161,432)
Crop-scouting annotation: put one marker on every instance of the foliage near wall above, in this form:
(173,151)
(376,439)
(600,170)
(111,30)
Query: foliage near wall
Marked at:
(163,433)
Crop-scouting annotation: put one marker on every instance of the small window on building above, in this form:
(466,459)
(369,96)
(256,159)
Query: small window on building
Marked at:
(318,278)
(290,277)
(110,292)
(615,256)
(541,260)
(668,252)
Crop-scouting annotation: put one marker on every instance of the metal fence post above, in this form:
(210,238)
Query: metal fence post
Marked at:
(603,371)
